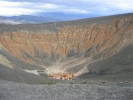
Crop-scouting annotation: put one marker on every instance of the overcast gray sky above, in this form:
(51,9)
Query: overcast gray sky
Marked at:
(100,7)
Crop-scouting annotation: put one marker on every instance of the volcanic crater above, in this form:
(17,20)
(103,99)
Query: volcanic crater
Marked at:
(89,49)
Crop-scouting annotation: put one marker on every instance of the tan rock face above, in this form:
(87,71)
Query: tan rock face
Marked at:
(77,37)
(97,38)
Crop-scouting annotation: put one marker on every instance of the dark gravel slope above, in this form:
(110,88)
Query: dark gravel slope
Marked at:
(18,91)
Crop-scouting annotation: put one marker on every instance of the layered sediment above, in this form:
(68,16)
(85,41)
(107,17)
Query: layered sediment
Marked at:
(68,46)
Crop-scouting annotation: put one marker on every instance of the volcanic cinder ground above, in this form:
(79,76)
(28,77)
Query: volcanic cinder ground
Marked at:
(95,50)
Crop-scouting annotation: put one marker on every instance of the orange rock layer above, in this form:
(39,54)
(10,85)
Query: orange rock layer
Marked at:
(62,76)
(78,37)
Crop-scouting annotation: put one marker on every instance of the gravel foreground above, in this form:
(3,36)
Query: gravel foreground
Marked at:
(60,91)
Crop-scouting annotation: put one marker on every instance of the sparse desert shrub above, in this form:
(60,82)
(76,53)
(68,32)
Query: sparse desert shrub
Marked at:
(114,79)
(84,82)
(71,83)
(44,83)
(103,82)
(51,82)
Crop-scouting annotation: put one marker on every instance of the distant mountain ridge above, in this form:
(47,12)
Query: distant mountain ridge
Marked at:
(42,18)
(67,16)
(25,19)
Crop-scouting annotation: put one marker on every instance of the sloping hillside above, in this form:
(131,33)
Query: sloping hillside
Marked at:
(88,48)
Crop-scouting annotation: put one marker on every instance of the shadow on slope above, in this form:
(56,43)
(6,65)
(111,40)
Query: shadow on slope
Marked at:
(117,67)
(17,73)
